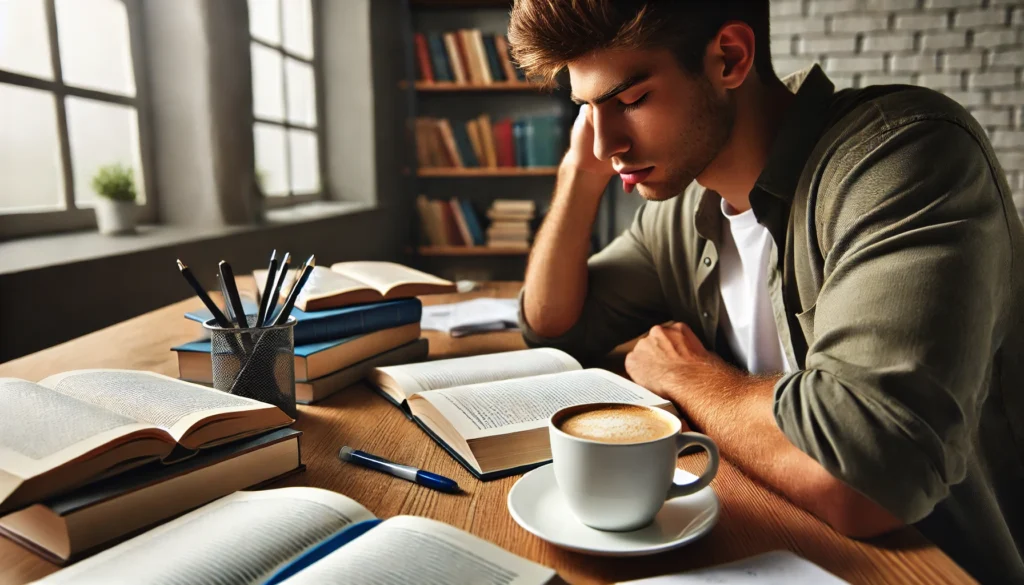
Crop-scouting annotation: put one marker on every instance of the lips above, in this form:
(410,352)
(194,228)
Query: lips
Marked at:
(630,178)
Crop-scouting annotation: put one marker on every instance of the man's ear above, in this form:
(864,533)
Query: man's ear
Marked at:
(730,55)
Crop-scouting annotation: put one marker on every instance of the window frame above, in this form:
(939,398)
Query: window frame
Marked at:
(293,197)
(73,217)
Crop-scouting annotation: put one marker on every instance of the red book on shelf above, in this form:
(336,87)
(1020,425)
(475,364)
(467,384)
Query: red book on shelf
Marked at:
(504,143)
(423,58)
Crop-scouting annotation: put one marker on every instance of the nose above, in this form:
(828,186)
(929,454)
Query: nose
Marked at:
(609,138)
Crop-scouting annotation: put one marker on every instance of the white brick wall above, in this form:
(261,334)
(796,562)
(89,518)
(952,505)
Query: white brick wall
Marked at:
(971,50)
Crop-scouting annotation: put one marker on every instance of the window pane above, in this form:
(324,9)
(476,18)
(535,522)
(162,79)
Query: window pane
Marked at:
(265,21)
(101,134)
(267,84)
(94,48)
(301,92)
(305,161)
(31,175)
(24,38)
(298,27)
(271,161)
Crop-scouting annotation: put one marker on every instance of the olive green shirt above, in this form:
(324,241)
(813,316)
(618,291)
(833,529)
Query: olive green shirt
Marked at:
(896,281)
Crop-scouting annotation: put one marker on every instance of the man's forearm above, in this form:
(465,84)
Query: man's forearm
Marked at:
(556,277)
(735,409)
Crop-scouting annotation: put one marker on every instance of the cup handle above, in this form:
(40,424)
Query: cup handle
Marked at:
(684,440)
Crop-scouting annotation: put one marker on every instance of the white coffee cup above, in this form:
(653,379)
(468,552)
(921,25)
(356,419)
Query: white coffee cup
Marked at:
(621,486)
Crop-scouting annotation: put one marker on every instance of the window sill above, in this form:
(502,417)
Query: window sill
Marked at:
(58,249)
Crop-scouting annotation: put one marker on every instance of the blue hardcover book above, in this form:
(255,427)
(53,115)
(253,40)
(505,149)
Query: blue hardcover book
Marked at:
(473,222)
(317,326)
(439,57)
(465,147)
(497,73)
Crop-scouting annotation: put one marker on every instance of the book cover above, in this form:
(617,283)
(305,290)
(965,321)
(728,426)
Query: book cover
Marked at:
(426,72)
(501,44)
(438,57)
(473,221)
(465,147)
(497,73)
(458,67)
(332,324)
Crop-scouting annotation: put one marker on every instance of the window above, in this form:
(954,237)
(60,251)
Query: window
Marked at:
(285,100)
(69,104)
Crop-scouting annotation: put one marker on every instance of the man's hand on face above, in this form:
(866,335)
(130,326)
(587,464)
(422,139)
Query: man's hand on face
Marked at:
(580,155)
(671,360)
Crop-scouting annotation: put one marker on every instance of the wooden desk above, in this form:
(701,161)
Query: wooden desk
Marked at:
(753,519)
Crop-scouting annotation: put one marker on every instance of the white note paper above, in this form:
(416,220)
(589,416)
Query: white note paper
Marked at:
(779,567)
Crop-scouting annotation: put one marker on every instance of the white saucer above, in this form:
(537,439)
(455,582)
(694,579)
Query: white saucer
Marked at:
(536,504)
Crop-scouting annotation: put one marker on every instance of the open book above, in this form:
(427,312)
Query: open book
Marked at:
(80,426)
(491,411)
(353,283)
(302,535)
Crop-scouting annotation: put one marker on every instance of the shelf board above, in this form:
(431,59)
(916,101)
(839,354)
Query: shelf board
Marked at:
(487,172)
(470,251)
(448,86)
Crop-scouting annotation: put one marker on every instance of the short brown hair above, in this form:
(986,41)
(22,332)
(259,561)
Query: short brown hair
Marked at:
(546,35)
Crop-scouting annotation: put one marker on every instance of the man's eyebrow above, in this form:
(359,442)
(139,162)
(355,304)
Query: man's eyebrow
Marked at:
(635,79)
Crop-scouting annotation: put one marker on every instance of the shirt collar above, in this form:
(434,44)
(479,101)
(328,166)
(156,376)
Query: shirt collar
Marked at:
(800,130)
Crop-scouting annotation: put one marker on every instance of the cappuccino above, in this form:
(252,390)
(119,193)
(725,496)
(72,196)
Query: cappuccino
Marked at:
(617,423)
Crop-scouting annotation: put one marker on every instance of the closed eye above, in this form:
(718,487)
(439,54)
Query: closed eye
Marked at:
(635,104)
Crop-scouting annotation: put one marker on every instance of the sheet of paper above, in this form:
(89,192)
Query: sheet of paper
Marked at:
(473,316)
(779,567)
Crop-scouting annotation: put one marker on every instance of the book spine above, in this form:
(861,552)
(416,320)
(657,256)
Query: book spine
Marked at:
(458,67)
(501,45)
(437,55)
(492,58)
(423,58)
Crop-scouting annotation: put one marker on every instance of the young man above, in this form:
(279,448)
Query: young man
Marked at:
(843,271)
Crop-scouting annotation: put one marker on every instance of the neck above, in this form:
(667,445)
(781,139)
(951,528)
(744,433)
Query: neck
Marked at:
(759,114)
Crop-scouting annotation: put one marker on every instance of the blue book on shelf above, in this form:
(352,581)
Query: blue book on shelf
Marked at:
(473,222)
(492,58)
(466,152)
(439,57)
(332,324)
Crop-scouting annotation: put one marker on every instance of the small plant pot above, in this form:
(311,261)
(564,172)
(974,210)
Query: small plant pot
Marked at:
(115,217)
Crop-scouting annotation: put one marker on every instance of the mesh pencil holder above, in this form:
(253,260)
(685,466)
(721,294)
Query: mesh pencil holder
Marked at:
(256,362)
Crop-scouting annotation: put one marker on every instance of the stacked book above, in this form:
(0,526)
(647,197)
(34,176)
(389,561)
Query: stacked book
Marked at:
(449,223)
(464,56)
(510,223)
(534,141)
(351,318)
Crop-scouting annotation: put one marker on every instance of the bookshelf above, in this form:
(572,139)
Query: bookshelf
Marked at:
(459,103)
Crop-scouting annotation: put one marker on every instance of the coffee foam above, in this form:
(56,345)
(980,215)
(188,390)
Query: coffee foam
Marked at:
(617,424)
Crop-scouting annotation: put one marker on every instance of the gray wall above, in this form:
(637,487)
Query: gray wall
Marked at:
(196,160)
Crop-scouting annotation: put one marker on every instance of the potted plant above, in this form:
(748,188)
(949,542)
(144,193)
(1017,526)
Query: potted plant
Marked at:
(115,205)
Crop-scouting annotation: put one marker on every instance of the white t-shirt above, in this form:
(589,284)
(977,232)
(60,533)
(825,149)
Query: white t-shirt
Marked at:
(747,321)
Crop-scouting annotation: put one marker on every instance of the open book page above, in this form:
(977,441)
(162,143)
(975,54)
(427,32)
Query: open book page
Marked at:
(779,567)
(499,408)
(242,538)
(385,276)
(158,400)
(407,549)
(421,377)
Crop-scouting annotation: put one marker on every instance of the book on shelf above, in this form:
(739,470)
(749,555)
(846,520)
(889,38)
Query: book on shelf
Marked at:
(74,525)
(330,324)
(299,536)
(312,361)
(354,283)
(490,412)
(81,426)
(426,72)
(464,56)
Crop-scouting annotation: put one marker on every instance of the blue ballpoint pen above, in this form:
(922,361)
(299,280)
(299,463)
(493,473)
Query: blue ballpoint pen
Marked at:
(406,472)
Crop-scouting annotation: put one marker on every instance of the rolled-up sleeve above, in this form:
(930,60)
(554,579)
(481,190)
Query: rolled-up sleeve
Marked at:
(917,266)
(624,298)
